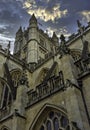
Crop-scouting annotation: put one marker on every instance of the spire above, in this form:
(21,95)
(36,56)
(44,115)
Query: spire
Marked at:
(63,49)
(33,19)
(54,35)
(19,30)
(62,37)
(79,24)
(85,50)
(81,29)
(55,39)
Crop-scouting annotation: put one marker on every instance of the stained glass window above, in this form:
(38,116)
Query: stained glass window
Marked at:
(56,124)
(55,120)
(49,125)
(64,121)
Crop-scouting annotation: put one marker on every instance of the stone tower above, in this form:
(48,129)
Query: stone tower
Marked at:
(32,57)
(18,40)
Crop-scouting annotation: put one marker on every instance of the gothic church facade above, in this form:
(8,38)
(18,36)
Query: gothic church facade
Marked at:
(45,84)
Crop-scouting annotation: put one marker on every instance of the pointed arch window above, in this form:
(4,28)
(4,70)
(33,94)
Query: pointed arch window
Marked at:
(64,121)
(55,121)
(5,99)
(5,94)
(15,74)
(49,127)
(56,124)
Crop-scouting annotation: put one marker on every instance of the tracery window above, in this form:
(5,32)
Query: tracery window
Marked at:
(49,127)
(5,95)
(56,124)
(15,74)
(55,121)
(5,99)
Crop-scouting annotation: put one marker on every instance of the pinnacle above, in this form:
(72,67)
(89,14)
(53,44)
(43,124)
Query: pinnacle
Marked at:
(33,18)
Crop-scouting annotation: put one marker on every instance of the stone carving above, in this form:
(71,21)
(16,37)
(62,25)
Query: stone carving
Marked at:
(69,84)
(23,78)
(63,47)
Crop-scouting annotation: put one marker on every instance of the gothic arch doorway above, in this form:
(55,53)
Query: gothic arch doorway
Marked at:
(51,117)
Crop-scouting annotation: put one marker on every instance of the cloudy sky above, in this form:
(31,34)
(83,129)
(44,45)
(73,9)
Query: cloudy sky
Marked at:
(53,15)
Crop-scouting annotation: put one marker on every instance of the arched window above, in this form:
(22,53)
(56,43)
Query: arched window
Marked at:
(49,127)
(15,74)
(55,121)
(56,124)
(50,117)
(5,99)
(5,94)
(64,121)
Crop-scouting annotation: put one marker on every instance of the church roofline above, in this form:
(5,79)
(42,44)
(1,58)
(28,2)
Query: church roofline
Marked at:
(13,58)
(77,35)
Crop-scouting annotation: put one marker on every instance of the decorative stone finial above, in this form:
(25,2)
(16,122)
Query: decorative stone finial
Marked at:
(81,28)
(20,30)
(33,18)
(9,45)
(78,23)
(62,37)
(23,79)
(8,48)
(63,47)
(54,35)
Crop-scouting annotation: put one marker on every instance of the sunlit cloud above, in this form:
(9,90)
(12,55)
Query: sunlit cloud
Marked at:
(86,15)
(58,32)
(27,5)
(44,13)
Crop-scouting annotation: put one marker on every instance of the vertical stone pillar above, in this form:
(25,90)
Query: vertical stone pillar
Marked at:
(32,57)
(19,106)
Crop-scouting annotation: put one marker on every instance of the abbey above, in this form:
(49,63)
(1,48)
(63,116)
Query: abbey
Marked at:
(45,84)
